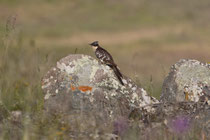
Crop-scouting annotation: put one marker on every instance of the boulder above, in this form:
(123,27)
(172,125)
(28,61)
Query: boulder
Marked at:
(188,80)
(80,83)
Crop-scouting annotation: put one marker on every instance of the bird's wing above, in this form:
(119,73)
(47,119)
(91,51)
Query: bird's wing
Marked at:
(104,55)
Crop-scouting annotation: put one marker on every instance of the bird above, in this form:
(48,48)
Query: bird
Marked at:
(105,58)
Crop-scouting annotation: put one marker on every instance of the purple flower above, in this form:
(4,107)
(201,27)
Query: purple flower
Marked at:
(180,124)
(120,126)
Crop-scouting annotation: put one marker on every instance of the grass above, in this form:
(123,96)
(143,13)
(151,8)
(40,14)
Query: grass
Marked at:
(145,38)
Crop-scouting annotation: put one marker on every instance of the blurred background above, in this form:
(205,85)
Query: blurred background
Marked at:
(145,38)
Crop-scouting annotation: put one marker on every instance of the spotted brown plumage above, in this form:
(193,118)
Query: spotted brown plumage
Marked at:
(106,58)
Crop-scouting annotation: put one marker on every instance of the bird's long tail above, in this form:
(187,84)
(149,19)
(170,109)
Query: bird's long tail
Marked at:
(118,74)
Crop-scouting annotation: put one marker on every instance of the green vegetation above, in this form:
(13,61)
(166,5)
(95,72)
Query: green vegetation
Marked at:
(145,37)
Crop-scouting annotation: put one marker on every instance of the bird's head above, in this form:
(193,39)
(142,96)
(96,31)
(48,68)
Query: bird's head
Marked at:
(94,45)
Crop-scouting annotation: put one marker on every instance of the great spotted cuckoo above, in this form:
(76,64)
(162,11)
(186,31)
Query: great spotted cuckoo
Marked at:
(106,58)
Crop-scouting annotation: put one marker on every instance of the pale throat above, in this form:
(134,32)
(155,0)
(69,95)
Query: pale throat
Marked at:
(94,48)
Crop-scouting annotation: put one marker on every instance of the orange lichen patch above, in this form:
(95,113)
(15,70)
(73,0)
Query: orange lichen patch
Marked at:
(73,88)
(186,96)
(85,88)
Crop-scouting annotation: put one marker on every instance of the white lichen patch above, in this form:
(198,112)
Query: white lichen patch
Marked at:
(113,94)
(149,109)
(106,95)
(125,81)
(115,83)
(91,99)
(46,85)
(134,97)
(80,67)
(147,99)
(143,101)
(46,80)
(194,91)
(110,113)
(93,73)
(64,67)
(111,81)
(134,88)
(192,70)
(47,95)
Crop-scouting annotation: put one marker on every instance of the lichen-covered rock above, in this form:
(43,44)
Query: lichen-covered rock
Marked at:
(188,80)
(79,82)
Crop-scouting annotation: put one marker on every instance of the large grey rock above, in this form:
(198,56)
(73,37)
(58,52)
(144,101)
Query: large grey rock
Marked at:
(188,80)
(81,83)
